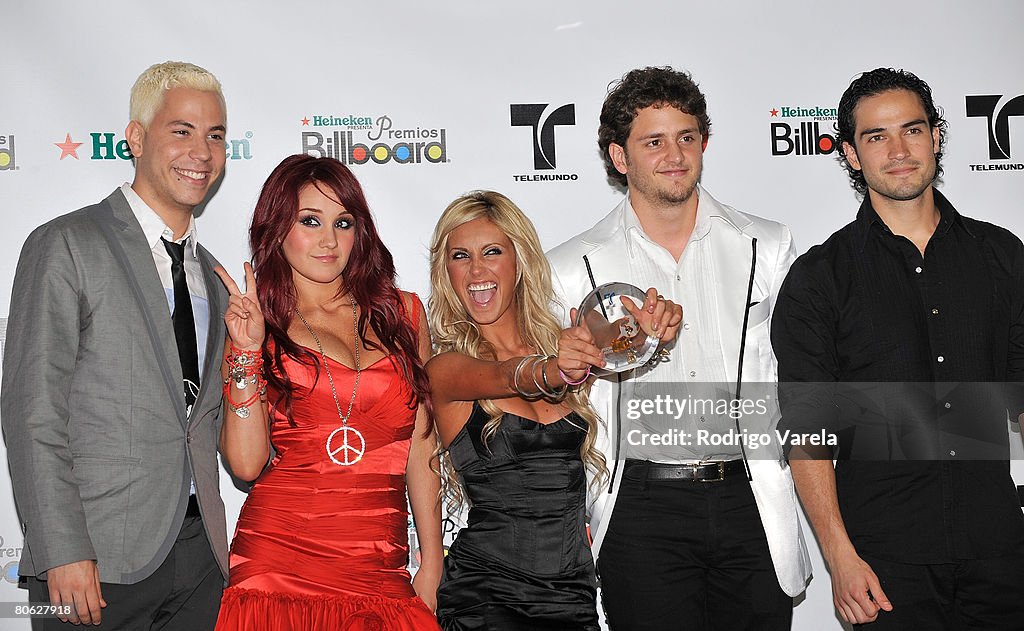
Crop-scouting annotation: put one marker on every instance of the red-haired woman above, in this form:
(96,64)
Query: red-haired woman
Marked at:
(325,365)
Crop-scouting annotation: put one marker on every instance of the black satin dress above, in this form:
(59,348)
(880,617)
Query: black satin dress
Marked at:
(523,561)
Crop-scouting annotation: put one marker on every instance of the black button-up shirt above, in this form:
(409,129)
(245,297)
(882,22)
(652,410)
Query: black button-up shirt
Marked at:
(913,362)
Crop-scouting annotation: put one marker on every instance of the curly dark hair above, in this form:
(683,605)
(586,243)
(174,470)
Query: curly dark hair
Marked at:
(873,83)
(639,89)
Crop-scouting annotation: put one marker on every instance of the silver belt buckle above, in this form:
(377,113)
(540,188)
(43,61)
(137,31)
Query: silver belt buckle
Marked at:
(720,464)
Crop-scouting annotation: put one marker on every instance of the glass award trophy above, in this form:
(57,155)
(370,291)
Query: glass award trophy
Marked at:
(616,332)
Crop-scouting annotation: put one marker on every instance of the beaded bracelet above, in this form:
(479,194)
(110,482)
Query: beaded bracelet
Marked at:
(569,381)
(241,409)
(245,368)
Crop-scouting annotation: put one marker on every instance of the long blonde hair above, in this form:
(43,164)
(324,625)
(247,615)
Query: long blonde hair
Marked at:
(454,330)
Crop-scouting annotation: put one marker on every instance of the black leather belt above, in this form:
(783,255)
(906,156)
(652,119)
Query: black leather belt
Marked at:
(193,507)
(695,472)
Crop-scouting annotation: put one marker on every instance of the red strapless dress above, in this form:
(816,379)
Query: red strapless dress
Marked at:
(322,546)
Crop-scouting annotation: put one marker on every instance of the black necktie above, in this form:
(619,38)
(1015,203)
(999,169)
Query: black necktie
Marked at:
(184,323)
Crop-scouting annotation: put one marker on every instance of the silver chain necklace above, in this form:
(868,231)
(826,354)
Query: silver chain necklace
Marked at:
(352,444)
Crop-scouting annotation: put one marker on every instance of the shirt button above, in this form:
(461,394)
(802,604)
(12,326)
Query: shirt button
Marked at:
(917,269)
(693,373)
(935,312)
(941,359)
(948,405)
(686,325)
(952,453)
(677,277)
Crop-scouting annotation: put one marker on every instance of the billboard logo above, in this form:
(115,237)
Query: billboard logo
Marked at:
(7,162)
(802,138)
(997,115)
(805,140)
(383,143)
(532,115)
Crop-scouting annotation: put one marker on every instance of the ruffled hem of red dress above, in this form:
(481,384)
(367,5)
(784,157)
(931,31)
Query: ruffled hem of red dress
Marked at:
(257,610)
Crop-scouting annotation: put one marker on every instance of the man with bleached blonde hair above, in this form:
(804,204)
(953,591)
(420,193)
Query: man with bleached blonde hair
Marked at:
(150,88)
(111,401)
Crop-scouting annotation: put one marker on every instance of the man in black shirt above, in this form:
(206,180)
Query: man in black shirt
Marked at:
(903,334)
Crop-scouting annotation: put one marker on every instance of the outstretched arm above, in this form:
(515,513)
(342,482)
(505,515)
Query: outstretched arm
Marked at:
(456,378)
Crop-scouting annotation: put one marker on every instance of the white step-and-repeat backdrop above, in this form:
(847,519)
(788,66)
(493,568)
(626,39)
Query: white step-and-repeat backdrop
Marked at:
(369,82)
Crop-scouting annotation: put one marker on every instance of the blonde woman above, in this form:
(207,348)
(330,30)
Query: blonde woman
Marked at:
(510,404)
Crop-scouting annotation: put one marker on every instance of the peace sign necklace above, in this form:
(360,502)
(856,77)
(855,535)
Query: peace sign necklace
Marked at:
(353,445)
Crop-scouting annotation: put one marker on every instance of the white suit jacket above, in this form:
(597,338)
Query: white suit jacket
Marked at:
(731,235)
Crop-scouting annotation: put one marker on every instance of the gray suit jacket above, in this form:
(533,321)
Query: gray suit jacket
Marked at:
(93,412)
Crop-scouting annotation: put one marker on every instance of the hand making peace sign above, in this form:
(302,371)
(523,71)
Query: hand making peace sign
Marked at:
(243,317)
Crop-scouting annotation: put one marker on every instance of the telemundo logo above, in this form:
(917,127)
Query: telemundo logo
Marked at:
(542,119)
(997,110)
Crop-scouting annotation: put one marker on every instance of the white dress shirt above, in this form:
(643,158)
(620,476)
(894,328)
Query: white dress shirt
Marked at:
(155,229)
(695,366)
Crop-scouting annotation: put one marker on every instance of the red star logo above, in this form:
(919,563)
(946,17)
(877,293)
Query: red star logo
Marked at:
(773,112)
(305,121)
(68,148)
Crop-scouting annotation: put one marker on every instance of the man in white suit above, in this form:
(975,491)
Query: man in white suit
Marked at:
(694,535)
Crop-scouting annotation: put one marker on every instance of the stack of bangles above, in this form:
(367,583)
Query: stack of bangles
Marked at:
(543,388)
(245,368)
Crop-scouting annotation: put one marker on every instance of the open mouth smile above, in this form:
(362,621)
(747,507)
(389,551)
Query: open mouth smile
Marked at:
(482,293)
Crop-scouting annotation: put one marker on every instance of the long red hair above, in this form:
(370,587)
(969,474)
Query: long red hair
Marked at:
(369,275)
